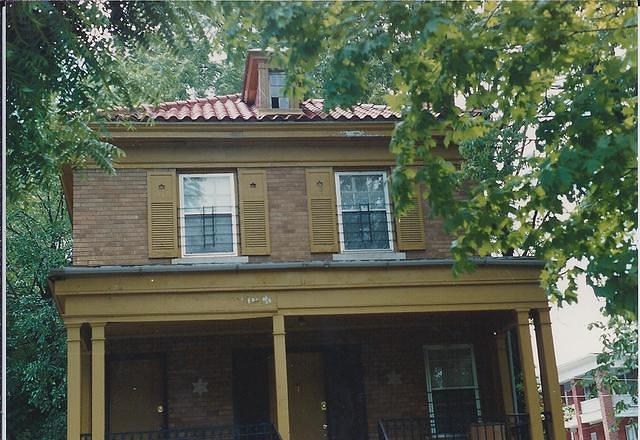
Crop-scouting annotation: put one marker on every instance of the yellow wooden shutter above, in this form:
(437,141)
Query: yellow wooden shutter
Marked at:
(162,214)
(254,212)
(321,204)
(410,228)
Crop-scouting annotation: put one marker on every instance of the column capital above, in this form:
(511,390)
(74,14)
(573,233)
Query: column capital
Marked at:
(522,316)
(98,331)
(278,325)
(73,332)
(544,316)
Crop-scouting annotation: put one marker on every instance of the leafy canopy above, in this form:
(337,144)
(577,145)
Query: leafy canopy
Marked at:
(549,149)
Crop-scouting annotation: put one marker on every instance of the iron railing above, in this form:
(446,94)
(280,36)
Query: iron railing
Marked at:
(509,427)
(260,431)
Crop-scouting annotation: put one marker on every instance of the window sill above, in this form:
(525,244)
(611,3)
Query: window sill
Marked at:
(205,260)
(369,255)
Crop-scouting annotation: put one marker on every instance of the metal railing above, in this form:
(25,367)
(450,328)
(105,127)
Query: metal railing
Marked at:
(365,226)
(509,427)
(260,431)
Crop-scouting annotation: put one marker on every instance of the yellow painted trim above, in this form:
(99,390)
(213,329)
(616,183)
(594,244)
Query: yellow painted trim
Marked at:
(280,362)
(549,373)
(74,378)
(505,376)
(529,375)
(98,395)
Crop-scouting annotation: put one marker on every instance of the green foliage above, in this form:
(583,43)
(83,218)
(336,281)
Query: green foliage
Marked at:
(619,358)
(549,150)
(65,62)
(38,240)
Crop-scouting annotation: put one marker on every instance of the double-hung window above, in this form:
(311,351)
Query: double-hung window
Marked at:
(452,387)
(364,214)
(208,218)
(277,80)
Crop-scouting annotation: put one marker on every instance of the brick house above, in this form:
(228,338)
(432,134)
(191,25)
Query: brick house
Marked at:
(243,276)
(590,411)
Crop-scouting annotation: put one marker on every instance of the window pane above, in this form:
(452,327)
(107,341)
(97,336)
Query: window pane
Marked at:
(365,230)
(453,411)
(205,234)
(365,223)
(451,368)
(210,192)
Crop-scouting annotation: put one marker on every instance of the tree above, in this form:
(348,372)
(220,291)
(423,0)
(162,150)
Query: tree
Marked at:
(65,63)
(540,99)
(38,239)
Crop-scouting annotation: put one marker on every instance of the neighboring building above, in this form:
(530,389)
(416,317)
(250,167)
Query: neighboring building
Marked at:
(589,410)
(243,276)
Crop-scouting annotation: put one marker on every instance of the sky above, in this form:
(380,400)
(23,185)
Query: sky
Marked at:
(569,323)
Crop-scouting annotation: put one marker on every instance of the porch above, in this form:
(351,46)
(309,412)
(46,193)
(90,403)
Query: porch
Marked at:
(409,376)
(317,350)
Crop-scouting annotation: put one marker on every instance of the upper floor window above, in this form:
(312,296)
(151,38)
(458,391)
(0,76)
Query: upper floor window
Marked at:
(208,214)
(277,80)
(364,215)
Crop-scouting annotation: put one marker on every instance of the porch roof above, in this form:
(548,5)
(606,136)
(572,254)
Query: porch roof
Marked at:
(72,271)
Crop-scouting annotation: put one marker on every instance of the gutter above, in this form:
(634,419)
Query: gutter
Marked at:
(83,271)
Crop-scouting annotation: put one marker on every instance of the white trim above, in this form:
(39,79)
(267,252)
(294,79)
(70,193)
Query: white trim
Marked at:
(369,255)
(387,209)
(233,209)
(430,389)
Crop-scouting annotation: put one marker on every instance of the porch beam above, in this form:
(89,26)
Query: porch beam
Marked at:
(98,395)
(529,374)
(282,389)
(549,373)
(74,378)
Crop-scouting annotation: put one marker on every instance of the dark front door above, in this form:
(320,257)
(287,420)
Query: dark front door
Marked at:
(307,399)
(250,387)
(347,413)
(136,394)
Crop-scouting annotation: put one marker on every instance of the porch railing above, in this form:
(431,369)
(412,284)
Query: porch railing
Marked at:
(510,427)
(261,431)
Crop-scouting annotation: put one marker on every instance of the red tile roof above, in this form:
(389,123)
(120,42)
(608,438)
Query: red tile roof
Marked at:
(232,108)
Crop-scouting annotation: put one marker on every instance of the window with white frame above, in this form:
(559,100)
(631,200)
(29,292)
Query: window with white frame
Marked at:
(452,387)
(208,215)
(631,431)
(277,81)
(364,214)
(594,436)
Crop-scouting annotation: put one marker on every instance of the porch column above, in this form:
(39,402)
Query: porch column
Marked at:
(85,424)
(529,375)
(282,389)
(74,377)
(505,373)
(98,396)
(549,373)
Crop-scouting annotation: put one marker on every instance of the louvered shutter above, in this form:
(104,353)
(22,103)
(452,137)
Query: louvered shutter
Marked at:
(254,212)
(321,205)
(410,228)
(162,214)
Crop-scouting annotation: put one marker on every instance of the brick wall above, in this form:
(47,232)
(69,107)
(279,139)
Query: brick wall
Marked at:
(109,217)
(110,220)
(392,365)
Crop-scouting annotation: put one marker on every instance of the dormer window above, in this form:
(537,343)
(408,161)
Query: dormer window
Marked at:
(277,79)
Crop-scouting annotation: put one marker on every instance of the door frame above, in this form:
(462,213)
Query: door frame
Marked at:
(120,357)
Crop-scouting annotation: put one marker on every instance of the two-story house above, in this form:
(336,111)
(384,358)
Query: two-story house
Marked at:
(591,412)
(243,275)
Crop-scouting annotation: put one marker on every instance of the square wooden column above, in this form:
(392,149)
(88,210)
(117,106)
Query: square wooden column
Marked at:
(98,395)
(282,389)
(74,378)
(505,373)
(529,375)
(549,373)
